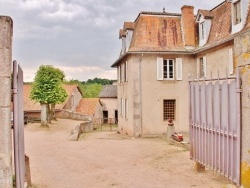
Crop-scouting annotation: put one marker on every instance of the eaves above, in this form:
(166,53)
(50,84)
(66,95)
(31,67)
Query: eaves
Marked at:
(149,52)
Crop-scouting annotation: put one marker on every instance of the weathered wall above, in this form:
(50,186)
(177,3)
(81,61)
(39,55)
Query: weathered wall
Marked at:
(110,105)
(242,59)
(153,92)
(6,30)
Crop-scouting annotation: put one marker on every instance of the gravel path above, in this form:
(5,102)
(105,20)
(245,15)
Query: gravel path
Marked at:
(107,159)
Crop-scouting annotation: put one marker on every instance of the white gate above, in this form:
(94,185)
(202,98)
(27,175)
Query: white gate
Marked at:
(215,124)
(18,122)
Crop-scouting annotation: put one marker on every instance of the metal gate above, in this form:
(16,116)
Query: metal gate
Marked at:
(18,122)
(215,124)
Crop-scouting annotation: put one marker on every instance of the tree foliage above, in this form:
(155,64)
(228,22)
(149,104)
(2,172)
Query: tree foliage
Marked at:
(100,81)
(92,87)
(92,90)
(47,86)
(47,90)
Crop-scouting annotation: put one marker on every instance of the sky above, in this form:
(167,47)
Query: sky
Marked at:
(80,37)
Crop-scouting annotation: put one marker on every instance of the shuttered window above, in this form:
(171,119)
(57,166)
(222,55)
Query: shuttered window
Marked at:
(166,69)
(202,67)
(230,61)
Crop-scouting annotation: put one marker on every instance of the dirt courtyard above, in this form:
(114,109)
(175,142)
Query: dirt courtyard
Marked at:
(107,159)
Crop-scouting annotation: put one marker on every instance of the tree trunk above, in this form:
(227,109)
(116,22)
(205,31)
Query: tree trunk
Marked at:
(44,121)
(53,113)
(49,113)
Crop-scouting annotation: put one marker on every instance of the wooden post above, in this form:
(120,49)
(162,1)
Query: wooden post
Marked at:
(27,171)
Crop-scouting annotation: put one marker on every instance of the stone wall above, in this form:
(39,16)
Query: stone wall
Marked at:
(242,60)
(6,32)
(64,114)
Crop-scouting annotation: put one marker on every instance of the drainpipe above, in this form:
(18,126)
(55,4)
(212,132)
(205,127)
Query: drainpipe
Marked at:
(140,94)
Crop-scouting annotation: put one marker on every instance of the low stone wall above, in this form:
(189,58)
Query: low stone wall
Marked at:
(86,126)
(64,114)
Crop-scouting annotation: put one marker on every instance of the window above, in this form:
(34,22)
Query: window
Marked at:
(166,69)
(237,12)
(202,70)
(202,30)
(201,67)
(168,109)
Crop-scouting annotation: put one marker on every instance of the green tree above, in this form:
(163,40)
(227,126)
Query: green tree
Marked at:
(47,90)
(92,90)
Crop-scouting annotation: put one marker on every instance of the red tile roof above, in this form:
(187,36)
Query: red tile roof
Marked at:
(157,32)
(32,105)
(221,23)
(87,106)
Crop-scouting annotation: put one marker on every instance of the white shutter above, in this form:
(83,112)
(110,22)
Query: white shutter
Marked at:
(119,74)
(126,71)
(198,67)
(178,68)
(159,68)
(123,107)
(230,61)
(122,73)
(126,109)
(205,66)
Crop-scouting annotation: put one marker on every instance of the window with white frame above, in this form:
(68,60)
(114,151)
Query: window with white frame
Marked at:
(168,109)
(202,30)
(169,69)
(237,12)
(201,67)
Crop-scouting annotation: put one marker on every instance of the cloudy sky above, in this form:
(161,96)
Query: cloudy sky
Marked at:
(78,36)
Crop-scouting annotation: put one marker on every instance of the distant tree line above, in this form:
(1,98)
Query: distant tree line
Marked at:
(99,81)
(92,87)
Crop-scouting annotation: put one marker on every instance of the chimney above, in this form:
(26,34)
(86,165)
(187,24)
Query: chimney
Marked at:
(188,25)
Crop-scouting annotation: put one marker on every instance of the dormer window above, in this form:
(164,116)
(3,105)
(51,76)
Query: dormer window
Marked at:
(202,26)
(237,12)
(204,20)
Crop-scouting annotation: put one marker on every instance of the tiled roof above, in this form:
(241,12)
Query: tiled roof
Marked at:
(108,91)
(128,25)
(205,13)
(157,32)
(87,106)
(221,23)
(32,105)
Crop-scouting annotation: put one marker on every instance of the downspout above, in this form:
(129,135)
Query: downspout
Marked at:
(140,73)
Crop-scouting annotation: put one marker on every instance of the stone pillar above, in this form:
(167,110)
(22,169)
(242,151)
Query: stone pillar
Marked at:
(242,60)
(6,31)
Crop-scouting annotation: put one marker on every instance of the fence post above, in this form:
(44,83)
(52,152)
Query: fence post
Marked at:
(6,30)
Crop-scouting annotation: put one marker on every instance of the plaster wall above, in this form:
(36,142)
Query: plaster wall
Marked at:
(217,60)
(146,96)
(110,105)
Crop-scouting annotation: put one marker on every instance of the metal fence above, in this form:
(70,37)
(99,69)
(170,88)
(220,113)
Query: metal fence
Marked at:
(103,123)
(215,124)
(18,122)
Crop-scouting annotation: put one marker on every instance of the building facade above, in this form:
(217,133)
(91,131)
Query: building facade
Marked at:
(162,51)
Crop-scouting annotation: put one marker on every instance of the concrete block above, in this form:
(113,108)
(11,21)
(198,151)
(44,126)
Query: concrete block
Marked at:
(6,32)
(5,92)
(5,62)
(86,126)
(5,130)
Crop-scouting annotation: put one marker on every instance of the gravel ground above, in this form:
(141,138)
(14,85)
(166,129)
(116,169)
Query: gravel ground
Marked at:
(107,159)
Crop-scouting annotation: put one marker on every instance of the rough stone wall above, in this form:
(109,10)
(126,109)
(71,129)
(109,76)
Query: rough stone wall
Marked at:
(6,31)
(242,59)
